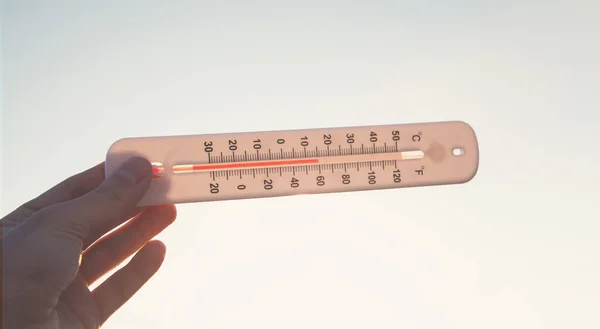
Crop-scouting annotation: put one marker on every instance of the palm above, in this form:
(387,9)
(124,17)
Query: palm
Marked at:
(67,264)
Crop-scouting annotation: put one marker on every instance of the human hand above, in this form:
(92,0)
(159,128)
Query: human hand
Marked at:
(54,247)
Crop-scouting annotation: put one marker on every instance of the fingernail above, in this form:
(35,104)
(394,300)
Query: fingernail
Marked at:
(139,168)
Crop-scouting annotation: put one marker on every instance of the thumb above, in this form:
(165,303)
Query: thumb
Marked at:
(110,204)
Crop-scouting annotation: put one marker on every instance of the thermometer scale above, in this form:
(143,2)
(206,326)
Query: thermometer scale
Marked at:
(231,166)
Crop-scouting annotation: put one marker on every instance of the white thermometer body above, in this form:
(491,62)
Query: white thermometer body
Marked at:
(246,165)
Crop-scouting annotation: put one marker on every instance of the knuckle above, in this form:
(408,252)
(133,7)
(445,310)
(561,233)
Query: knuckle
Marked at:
(111,195)
(47,215)
(115,189)
(122,179)
(140,274)
(94,259)
(66,187)
(71,189)
(138,235)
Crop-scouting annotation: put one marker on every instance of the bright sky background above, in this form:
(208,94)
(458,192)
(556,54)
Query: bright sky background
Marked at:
(517,247)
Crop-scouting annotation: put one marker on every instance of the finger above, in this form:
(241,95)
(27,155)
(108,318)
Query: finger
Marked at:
(122,285)
(97,232)
(69,189)
(78,304)
(107,206)
(114,248)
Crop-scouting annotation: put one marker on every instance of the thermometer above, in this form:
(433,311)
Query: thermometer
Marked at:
(246,165)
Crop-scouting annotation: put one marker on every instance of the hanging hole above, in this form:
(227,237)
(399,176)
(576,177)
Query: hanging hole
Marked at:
(458,151)
(157,169)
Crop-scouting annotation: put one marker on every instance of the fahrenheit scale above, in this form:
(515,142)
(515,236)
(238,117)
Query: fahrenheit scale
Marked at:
(247,165)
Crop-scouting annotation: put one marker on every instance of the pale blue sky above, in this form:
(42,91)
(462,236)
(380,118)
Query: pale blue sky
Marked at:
(517,247)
